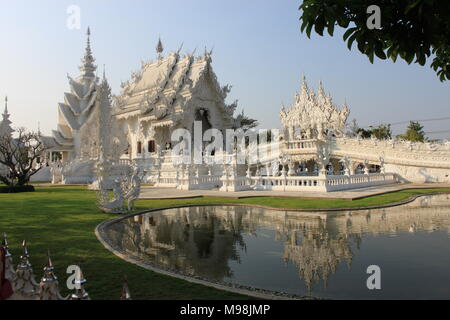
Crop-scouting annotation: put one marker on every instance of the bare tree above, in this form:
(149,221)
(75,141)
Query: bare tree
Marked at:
(19,157)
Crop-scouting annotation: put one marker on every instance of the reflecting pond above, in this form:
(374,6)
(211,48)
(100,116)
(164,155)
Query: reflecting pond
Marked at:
(318,254)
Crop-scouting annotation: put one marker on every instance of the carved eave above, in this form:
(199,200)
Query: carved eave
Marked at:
(51,145)
(72,100)
(68,116)
(90,103)
(127,114)
(77,88)
(61,140)
(164,123)
(64,131)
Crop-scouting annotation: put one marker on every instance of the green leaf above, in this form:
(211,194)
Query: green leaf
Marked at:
(309,29)
(379,50)
(349,32)
(370,55)
(409,57)
(361,46)
(319,25)
(331,28)
(351,40)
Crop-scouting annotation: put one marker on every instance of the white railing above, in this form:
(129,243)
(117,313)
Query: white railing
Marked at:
(336,183)
(301,144)
(124,162)
(318,183)
(285,183)
(202,182)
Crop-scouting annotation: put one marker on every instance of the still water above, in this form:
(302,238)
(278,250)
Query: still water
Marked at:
(320,254)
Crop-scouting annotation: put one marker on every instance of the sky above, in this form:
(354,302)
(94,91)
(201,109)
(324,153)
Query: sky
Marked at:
(258,49)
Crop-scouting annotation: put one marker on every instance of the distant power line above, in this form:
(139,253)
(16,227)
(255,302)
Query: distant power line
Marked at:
(408,121)
(423,120)
(437,132)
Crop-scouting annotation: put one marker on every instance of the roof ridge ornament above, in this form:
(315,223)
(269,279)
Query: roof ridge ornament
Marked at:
(181,47)
(159,48)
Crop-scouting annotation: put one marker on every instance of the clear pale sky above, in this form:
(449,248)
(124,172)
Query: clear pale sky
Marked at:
(258,48)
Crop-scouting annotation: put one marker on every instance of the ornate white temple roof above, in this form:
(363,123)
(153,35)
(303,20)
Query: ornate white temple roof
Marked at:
(315,112)
(160,90)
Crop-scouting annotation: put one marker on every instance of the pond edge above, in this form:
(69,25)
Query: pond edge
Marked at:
(243,290)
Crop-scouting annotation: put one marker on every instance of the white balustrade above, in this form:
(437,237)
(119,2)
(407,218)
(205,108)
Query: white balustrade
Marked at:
(320,183)
(302,144)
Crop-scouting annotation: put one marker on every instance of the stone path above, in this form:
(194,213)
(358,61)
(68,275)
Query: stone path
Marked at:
(154,193)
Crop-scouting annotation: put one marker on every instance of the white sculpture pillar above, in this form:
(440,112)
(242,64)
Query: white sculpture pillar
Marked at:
(347,165)
(291,133)
(366,167)
(259,176)
(382,166)
(225,178)
(291,170)
(268,169)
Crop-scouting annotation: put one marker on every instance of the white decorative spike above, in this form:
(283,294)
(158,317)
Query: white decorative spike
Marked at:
(25,284)
(10,274)
(125,291)
(49,286)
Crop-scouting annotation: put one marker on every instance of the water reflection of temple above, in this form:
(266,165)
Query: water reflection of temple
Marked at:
(203,240)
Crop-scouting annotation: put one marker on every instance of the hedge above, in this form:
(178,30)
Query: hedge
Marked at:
(16,189)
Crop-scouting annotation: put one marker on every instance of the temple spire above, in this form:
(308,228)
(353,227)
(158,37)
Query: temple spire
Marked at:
(88,67)
(6,106)
(5,123)
(159,48)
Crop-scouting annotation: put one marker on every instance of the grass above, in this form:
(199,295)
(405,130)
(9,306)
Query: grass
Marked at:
(63,220)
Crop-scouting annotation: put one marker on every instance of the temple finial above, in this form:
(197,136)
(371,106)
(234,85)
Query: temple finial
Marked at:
(88,68)
(6,105)
(159,48)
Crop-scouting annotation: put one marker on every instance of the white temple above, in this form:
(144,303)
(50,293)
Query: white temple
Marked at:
(135,128)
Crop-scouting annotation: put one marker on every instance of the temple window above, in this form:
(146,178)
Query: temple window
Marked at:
(139,147)
(152,146)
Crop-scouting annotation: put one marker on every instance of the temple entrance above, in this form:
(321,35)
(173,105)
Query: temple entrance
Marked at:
(201,115)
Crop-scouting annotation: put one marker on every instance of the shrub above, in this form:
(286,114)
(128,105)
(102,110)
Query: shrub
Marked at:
(16,189)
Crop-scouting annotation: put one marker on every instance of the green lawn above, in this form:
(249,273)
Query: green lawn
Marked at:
(63,220)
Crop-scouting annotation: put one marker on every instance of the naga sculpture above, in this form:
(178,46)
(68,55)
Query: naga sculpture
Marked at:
(125,192)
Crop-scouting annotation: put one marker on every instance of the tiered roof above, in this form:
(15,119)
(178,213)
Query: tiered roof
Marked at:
(78,103)
(160,90)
